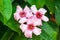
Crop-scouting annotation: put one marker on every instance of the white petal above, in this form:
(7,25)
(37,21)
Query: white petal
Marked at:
(23,27)
(37,31)
(29,15)
(26,9)
(38,22)
(23,20)
(16,16)
(33,9)
(30,21)
(44,18)
(42,10)
(19,9)
(28,34)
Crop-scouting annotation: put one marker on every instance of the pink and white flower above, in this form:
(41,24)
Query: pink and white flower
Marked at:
(28,29)
(22,14)
(39,14)
(32,17)
(35,21)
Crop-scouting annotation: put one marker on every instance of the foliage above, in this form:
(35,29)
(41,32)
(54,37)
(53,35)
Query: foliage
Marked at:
(9,28)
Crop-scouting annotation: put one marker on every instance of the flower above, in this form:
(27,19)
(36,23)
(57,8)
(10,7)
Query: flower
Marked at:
(35,21)
(39,14)
(22,15)
(28,29)
(30,18)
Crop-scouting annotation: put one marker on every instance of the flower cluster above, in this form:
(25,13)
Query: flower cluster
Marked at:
(30,18)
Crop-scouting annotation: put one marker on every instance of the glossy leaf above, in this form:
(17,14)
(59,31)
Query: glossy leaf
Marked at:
(7,35)
(57,12)
(12,24)
(38,3)
(49,31)
(45,36)
(50,5)
(6,9)
(1,6)
(3,28)
(16,36)
(1,17)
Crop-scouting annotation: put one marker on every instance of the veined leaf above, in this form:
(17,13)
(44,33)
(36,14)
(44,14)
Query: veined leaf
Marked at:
(1,17)
(50,5)
(38,3)
(17,37)
(7,35)
(49,30)
(6,9)
(1,6)
(12,24)
(57,12)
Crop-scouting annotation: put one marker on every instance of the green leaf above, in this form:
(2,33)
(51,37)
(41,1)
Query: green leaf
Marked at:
(49,30)
(38,3)
(3,28)
(7,35)
(12,24)
(1,6)
(22,36)
(6,9)
(45,36)
(34,37)
(18,37)
(54,26)
(57,12)
(15,37)
(1,17)
(11,0)
(31,2)
(50,5)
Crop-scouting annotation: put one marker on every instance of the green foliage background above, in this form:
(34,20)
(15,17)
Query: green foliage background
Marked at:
(9,28)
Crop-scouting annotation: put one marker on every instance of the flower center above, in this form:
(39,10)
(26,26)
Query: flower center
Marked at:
(30,26)
(22,14)
(38,15)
